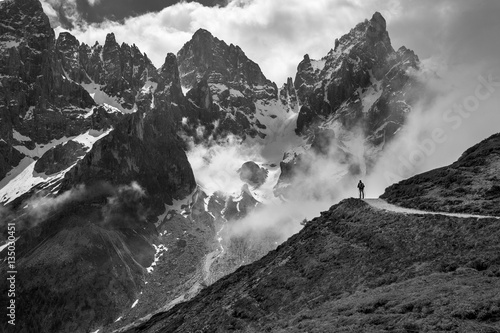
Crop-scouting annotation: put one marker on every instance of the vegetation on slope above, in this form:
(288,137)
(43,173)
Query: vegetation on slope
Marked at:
(470,185)
(358,269)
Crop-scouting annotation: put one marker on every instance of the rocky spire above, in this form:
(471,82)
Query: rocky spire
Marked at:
(359,58)
(205,56)
(169,87)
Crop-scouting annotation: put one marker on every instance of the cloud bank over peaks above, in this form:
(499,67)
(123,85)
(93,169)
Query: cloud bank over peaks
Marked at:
(275,34)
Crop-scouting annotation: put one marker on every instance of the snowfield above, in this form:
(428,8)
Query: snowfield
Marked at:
(23,177)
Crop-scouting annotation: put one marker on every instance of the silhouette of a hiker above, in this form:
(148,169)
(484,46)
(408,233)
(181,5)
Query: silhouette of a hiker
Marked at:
(361,188)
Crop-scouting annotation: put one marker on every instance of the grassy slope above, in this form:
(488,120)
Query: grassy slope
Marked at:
(470,185)
(357,269)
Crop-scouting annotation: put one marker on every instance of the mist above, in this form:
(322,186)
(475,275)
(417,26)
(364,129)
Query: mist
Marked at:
(123,205)
(321,180)
(459,110)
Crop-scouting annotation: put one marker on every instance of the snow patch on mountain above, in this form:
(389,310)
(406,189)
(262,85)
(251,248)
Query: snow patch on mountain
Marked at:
(150,88)
(19,137)
(216,89)
(88,139)
(23,177)
(160,249)
(29,113)
(41,148)
(235,93)
(280,124)
(318,65)
(101,97)
(25,181)
(25,162)
(91,136)
(9,44)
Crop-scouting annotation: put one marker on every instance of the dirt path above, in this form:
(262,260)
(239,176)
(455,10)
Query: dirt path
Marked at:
(384,205)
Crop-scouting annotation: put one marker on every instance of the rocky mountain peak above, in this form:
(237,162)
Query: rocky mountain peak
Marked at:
(378,22)
(169,87)
(110,40)
(201,34)
(360,57)
(362,85)
(170,65)
(67,38)
(376,31)
(25,22)
(207,56)
(25,16)
(239,90)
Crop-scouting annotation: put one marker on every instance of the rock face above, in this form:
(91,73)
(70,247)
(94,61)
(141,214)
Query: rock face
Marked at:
(52,88)
(352,102)
(362,82)
(141,148)
(84,263)
(470,185)
(60,157)
(356,268)
(36,98)
(230,86)
(252,174)
(114,73)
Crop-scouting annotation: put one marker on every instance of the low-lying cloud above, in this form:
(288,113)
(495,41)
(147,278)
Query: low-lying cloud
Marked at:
(123,205)
(463,111)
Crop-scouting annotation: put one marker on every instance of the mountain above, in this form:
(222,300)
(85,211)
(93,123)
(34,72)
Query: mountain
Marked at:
(111,73)
(352,103)
(357,268)
(64,90)
(113,221)
(470,185)
(91,168)
(36,98)
(220,78)
(362,81)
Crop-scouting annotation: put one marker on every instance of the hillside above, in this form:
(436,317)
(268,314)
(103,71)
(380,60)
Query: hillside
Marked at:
(358,269)
(470,185)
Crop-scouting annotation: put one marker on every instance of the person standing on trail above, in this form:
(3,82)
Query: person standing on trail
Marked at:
(361,188)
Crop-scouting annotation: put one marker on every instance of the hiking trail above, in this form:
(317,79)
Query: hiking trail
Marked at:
(384,205)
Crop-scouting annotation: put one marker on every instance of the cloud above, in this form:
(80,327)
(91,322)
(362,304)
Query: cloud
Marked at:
(463,112)
(124,205)
(319,183)
(275,34)
(94,2)
(216,164)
